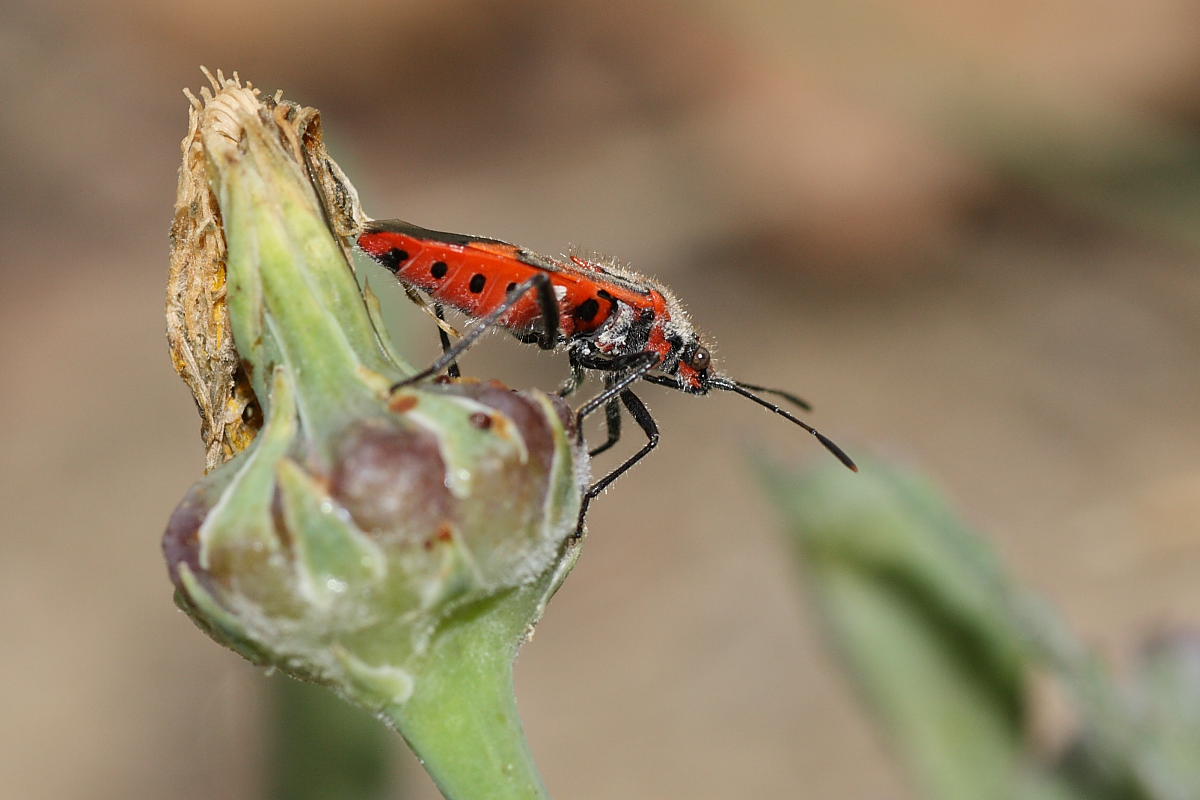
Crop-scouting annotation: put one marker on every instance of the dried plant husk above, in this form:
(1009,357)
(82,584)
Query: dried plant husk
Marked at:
(199,335)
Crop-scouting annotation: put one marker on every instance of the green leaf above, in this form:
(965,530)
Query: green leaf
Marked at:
(919,611)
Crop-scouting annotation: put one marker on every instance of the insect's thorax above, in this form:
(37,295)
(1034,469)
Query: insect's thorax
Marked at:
(658,325)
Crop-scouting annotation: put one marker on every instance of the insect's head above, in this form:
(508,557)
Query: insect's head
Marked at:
(684,354)
(695,367)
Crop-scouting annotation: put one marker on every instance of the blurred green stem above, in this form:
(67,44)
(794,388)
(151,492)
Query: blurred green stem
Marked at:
(323,748)
(941,641)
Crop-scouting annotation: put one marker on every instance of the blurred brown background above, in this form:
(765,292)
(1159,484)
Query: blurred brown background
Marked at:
(968,231)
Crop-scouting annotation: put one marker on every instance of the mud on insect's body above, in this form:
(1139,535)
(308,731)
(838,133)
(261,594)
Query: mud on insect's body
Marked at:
(622,324)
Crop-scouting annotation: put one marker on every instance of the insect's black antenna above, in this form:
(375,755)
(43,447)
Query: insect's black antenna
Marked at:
(744,391)
(799,402)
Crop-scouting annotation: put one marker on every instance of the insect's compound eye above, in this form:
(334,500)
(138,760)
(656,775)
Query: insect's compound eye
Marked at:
(699,359)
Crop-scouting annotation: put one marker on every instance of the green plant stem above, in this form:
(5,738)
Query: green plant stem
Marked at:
(322,747)
(462,719)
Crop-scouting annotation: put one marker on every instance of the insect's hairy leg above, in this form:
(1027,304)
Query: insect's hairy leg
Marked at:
(575,379)
(549,307)
(641,415)
(612,420)
(440,313)
(637,364)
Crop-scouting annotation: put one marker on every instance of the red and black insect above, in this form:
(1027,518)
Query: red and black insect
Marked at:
(625,325)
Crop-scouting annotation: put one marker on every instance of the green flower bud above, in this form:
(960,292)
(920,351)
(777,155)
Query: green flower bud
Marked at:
(342,573)
(396,546)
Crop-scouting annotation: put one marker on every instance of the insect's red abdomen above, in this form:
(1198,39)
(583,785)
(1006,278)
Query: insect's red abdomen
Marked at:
(472,280)
(475,276)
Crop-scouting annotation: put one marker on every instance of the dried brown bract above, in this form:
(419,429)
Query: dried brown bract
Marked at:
(198,329)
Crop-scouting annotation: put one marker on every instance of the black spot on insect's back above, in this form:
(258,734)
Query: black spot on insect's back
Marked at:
(512,285)
(588,309)
(438,270)
(477,282)
(393,258)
